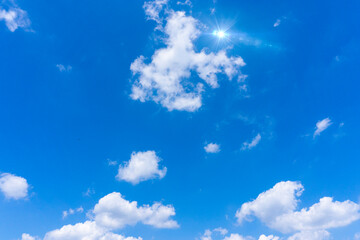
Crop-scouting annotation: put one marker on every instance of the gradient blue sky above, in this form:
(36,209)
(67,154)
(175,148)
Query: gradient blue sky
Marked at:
(67,111)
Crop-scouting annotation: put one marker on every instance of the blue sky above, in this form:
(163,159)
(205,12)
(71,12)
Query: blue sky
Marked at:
(124,120)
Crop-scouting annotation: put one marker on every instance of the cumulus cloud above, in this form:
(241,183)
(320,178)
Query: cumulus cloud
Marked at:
(249,145)
(212,148)
(322,126)
(168,78)
(14,18)
(26,236)
(88,230)
(114,212)
(277,209)
(72,211)
(142,166)
(13,187)
(270,237)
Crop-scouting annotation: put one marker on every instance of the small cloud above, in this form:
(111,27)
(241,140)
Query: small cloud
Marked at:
(249,145)
(277,23)
(13,187)
(63,68)
(322,126)
(89,192)
(111,162)
(186,2)
(341,124)
(142,166)
(26,236)
(212,148)
(15,18)
(72,211)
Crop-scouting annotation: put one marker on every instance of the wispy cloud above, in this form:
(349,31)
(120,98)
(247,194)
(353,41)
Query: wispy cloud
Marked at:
(14,17)
(71,211)
(63,68)
(249,145)
(321,126)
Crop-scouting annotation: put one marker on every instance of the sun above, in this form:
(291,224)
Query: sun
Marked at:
(219,33)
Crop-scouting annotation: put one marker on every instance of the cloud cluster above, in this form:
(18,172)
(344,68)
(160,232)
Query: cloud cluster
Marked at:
(168,78)
(114,212)
(13,187)
(14,18)
(72,211)
(111,213)
(142,166)
(277,209)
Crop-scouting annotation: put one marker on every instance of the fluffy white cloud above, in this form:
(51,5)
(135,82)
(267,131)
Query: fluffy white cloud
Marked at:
(13,187)
(212,148)
(26,236)
(313,235)
(111,213)
(142,166)
(234,237)
(166,78)
(14,18)
(72,211)
(249,145)
(276,208)
(115,212)
(88,230)
(322,126)
(270,237)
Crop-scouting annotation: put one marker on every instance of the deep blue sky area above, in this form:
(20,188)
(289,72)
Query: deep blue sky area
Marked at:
(61,127)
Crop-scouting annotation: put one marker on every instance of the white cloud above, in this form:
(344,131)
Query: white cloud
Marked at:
(88,230)
(249,145)
(14,18)
(166,78)
(63,68)
(235,237)
(26,236)
(276,208)
(270,237)
(212,148)
(72,211)
(277,23)
(153,9)
(111,213)
(322,126)
(115,212)
(142,166)
(313,235)
(208,233)
(13,187)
